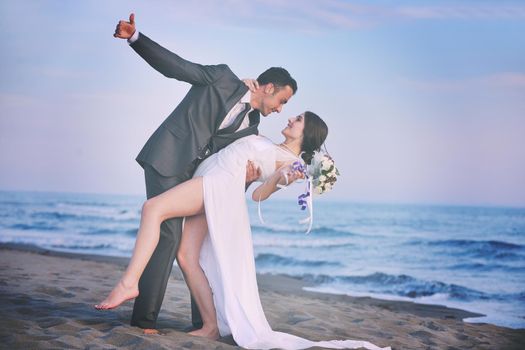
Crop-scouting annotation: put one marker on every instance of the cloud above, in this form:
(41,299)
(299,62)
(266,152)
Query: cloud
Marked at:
(339,14)
(508,80)
(479,12)
(17,100)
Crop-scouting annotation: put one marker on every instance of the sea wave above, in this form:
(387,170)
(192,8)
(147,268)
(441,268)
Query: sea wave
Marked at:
(85,204)
(402,285)
(491,249)
(55,215)
(37,226)
(267,259)
(132,232)
(93,246)
(502,245)
(302,242)
(110,231)
(477,266)
(119,215)
(289,229)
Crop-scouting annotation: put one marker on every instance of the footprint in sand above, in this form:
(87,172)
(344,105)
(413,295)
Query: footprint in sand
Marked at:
(47,322)
(77,289)
(423,336)
(54,292)
(461,336)
(295,319)
(432,325)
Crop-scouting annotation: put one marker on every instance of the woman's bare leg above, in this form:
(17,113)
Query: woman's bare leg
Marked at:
(185,199)
(193,234)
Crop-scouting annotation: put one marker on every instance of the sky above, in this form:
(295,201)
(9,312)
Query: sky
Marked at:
(425,100)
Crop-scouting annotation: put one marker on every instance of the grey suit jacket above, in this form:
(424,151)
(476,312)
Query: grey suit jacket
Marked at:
(174,146)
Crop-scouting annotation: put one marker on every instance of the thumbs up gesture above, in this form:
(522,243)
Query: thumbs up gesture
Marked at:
(125,29)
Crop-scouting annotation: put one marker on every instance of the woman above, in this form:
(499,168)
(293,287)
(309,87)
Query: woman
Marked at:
(218,262)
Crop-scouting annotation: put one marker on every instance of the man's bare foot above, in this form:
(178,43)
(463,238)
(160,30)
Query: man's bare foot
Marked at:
(207,332)
(151,331)
(118,295)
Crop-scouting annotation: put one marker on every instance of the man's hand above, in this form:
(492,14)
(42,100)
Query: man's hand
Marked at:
(125,29)
(252,173)
(252,84)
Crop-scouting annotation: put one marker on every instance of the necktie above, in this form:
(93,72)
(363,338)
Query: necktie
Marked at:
(230,129)
(254,117)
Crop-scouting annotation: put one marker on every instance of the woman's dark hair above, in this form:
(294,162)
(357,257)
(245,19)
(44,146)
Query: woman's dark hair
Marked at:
(314,135)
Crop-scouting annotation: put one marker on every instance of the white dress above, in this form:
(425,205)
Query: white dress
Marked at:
(227,256)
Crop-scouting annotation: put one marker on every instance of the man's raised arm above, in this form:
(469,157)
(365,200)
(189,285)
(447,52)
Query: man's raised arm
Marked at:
(164,61)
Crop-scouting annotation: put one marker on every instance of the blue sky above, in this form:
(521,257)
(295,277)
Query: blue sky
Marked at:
(425,100)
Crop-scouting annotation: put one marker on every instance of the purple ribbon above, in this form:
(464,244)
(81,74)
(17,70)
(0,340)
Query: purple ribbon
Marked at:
(302,199)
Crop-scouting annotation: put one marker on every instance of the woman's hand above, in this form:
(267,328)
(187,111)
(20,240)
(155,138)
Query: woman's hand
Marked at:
(289,175)
(125,29)
(283,176)
(252,84)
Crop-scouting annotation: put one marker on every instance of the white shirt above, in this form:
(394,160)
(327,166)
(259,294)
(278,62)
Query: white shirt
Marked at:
(234,112)
(236,109)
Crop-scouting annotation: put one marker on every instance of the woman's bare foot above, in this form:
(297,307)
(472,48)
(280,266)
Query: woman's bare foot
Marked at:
(151,331)
(118,295)
(207,332)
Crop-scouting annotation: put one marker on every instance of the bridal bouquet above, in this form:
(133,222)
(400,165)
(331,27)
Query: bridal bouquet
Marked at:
(323,172)
(321,175)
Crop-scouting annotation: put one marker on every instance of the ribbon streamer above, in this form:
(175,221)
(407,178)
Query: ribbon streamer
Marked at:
(310,204)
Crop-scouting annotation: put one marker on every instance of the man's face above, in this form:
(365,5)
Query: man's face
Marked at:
(274,99)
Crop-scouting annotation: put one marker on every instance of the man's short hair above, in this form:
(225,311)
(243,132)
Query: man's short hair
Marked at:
(279,77)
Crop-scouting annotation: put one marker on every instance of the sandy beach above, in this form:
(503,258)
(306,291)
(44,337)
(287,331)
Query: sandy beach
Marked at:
(47,303)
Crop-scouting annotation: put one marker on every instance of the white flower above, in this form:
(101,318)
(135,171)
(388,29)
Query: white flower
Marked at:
(318,158)
(323,172)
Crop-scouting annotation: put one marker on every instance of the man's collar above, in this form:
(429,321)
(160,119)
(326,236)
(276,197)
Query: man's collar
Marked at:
(247,97)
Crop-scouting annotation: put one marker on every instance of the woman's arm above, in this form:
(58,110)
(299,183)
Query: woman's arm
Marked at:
(268,187)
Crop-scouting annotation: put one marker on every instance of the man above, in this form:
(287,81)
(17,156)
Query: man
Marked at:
(217,110)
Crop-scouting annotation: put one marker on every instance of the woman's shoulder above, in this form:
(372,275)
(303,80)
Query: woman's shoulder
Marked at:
(261,142)
(286,156)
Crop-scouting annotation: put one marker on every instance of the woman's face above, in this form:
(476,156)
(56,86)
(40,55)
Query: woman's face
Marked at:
(294,129)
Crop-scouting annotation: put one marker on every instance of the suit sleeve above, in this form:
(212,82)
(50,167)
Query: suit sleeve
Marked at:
(171,65)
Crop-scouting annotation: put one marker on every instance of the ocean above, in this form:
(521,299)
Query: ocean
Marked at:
(472,258)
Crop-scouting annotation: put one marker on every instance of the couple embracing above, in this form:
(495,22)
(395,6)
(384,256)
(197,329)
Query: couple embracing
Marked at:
(197,166)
